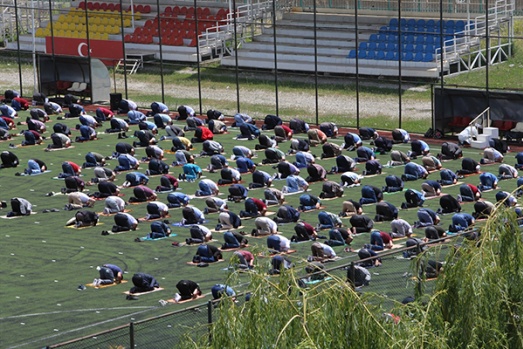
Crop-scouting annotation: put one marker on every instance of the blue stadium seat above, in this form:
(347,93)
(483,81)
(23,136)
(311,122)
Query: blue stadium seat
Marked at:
(450,24)
(430,23)
(419,57)
(411,22)
(393,22)
(371,54)
(392,47)
(431,29)
(371,46)
(430,39)
(382,38)
(419,48)
(362,54)
(391,56)
(392,38)
(363,46)
(373,38)
(382,46)
(408,56)
(420,40)
(352,54)
(420,24)
(380,55)
(428,57)
(384,30)
(408,48)
(407,39)
(403,22)
(429,49)
(449,30)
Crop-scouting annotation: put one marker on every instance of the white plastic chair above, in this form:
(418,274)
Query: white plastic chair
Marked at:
(74,86)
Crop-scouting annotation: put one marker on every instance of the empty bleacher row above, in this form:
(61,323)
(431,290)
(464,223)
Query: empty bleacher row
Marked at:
(177,26)
(409,39)
(109,6)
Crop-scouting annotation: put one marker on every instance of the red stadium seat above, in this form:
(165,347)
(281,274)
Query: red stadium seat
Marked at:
(96,6)
(146,9)
(111,7)
(81,5)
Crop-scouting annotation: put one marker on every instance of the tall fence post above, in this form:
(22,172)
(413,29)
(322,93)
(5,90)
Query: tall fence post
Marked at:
(209,318)
(131,335)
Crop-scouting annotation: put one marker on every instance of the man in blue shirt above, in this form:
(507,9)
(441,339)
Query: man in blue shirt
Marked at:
(245,165)
(487,181)
(109,274)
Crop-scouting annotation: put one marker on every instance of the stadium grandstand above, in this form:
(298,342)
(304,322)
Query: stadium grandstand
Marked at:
(384,38)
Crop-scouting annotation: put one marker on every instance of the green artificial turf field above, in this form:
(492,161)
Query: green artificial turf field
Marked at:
(43,262)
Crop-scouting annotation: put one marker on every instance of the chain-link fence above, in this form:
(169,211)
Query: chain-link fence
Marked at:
(393,275)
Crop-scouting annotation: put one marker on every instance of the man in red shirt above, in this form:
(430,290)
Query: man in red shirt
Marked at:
(282,133)
(304,232)
(254,208)
(379,240)
(103,114)
(469,193)
(202,134)
(69,168)
(245,259)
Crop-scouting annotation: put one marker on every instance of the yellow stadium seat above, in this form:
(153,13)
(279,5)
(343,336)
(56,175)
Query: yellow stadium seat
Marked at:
(39,32)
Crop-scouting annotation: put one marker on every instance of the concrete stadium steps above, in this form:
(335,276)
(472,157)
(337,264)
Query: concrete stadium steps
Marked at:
(338,66)
(304,49)
(335,38)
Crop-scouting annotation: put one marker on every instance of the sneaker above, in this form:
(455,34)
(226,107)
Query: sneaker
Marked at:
(63,190)
(175,243)
(11,145)
(96,282)
(137,240)
(310,259)
(130,297)
(404,206)
(18,174)
(459,198)
(188,241)
(81,287)
(105,232)
(163,303)
(364,173)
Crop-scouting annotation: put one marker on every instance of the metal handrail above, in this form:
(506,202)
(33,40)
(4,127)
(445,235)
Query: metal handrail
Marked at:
(487,111)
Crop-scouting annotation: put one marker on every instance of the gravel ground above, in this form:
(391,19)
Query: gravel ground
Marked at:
(370,105)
